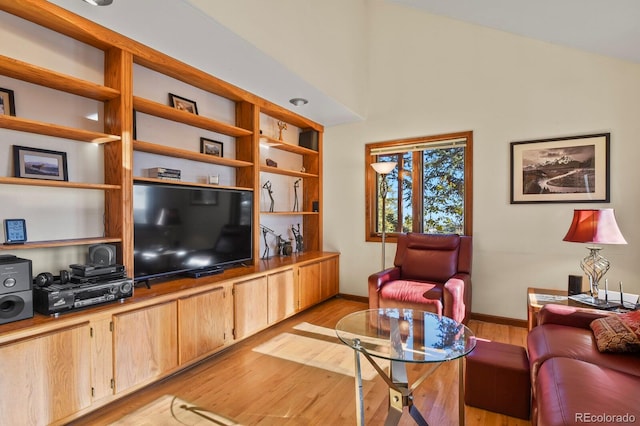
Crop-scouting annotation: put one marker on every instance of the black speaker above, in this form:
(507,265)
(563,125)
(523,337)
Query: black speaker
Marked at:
(308,139)
(575,284)
(16,295)
(315,206)
(102,255)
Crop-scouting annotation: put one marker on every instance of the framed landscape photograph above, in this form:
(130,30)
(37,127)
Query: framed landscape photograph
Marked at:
(7,102)
(35,163)
(564,170)
(211,147)
(183,104)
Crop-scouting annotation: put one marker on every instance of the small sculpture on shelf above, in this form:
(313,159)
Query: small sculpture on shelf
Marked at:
(296,185)
(298,237)
(267,186)
(281,126)
(266,230)
(271,163)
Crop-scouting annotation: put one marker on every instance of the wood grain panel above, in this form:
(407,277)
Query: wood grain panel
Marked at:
(55,130)
(250,311)
(308,285)
(202,324)
(101,358)
(281,297)
(329,278)
(53,369)
(145,345)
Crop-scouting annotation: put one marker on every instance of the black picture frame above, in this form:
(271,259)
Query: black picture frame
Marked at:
(36,163)
(573,169)
(183,104)
(7,102)
(211,147)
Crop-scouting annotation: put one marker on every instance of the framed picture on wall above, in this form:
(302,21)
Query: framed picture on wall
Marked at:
(7,102)
(564,170)
(183,104)
(211,147)
(35,163)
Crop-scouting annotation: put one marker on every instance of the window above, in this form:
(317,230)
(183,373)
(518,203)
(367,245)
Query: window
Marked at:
(430,190)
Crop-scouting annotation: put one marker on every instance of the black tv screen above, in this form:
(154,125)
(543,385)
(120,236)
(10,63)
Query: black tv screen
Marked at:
(182,228)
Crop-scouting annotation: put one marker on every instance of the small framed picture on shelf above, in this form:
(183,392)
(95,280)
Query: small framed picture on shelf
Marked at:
(211,147)
(35,163)
(183,104)
(7,102)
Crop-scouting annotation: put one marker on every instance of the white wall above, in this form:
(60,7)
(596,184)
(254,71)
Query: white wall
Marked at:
(322,40)
(432,75)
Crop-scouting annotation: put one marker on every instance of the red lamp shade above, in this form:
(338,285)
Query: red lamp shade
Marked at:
(594,226)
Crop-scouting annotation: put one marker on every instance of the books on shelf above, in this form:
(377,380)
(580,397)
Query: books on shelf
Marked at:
(164,173)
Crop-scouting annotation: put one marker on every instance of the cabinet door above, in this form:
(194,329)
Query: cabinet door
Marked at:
(101,358)
(145,344)
(250,307)
(203,324)
(281,295)
(46,378)
(309,285)
(329,278)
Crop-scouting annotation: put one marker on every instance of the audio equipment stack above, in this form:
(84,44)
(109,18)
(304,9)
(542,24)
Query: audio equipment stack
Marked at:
(84,286)
(16,297)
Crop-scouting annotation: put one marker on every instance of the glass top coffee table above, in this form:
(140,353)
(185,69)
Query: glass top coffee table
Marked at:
(404,336)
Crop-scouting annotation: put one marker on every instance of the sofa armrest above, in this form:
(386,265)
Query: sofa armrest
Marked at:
(571,316)
(377,280)
(457,297)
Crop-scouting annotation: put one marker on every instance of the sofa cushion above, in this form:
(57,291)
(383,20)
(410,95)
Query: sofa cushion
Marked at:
(618,333)
(573,392)
(553,340)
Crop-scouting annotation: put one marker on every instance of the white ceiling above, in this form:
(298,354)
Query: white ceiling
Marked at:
(609,28)
(606,27)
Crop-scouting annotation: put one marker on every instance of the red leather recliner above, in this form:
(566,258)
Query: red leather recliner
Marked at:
(432,272)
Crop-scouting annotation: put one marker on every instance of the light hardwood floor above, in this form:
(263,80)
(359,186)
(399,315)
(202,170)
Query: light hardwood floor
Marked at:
(256,389)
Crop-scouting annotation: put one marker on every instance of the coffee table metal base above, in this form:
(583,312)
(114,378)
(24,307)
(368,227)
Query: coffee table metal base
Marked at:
(400,393)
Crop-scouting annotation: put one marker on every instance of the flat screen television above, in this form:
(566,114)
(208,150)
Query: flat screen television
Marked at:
(179,229)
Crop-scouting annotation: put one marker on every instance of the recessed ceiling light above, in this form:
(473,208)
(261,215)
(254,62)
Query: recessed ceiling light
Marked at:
(299,101)
(99,2)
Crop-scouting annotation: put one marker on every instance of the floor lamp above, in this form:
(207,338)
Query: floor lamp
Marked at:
(383,169)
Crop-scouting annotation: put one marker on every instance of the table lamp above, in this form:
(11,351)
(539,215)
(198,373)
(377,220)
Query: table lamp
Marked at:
(596,226)
(383,169)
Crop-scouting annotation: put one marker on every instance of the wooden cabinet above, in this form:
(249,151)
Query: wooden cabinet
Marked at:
(203,323)
(46,378)
(101,357)
(329,277)
(281,295)
(249,307)
(318,281)
(309,285)
(145,345)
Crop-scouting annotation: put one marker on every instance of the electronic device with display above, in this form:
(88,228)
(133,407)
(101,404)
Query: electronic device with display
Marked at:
(15,231)
(181,229)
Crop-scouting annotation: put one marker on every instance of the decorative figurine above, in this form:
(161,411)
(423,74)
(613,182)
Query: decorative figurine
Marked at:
(281,126)
(298,237)
(267,186)
(296,185)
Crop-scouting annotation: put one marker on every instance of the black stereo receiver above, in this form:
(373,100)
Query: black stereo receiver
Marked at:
(59,298)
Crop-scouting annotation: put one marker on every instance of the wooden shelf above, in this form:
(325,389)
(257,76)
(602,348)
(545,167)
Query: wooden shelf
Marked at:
(41,76)
(57,183)
(169,151)
(164,111)
(59,243)
(283,146)
(294,173)
(288,213)
(48,129)
(178,182)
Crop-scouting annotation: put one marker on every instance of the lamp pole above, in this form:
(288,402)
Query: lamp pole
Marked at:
(383,169)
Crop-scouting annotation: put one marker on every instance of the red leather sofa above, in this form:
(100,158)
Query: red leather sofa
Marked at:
(431,272)
(572,382)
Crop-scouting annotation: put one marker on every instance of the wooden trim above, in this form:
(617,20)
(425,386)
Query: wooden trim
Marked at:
(55,130)
(186,154)
(499,320)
